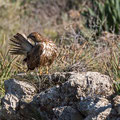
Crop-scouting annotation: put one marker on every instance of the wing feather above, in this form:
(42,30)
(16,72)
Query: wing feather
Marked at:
(20,45)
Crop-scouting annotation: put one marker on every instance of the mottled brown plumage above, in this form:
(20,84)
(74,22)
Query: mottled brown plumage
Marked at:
(40,54)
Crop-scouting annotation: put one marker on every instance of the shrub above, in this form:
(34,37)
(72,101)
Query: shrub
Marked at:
(105,15)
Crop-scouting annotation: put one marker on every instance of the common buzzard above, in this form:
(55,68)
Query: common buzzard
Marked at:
(39,52)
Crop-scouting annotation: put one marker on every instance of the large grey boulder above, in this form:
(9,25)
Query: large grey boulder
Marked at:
(70,99)
(67,113)
(20,89)
(93,105)
(76,88)
(97,108)
(116,103)
(16,91)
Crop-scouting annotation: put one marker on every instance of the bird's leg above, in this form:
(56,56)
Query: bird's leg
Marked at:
(47,69)
(40,70)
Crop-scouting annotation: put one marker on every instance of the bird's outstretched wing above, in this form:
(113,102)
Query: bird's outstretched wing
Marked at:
(20,45)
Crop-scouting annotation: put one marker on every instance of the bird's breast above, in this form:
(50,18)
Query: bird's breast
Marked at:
(49,48)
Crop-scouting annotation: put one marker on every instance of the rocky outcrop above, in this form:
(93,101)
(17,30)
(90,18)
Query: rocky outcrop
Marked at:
(84,96)
(67,113)
(16,91)
(95,107)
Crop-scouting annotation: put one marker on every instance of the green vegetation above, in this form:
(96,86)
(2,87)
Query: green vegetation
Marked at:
(5,70)
(106,15)
(75,42)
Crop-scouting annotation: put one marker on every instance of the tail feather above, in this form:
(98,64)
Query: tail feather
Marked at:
(20,45)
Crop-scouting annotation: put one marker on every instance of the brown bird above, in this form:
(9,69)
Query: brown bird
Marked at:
(40,54)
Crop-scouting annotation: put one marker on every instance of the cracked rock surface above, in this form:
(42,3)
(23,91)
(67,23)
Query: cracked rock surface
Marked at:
(85,96)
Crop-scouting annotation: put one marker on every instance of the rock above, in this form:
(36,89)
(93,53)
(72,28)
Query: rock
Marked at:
(78,87)
(90,84)
(93,105)
(16,91)
(62,101)
(67,113)
(98,108)
(116,104)
(11,104)
(22,90)
(103,115)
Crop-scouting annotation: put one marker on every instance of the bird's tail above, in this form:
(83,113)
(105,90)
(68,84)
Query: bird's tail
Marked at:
(20,45)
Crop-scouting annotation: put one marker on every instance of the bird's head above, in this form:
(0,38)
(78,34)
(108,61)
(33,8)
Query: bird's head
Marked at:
(36,37)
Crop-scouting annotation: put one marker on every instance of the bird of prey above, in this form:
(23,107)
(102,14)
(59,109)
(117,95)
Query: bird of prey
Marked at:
(40,52)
